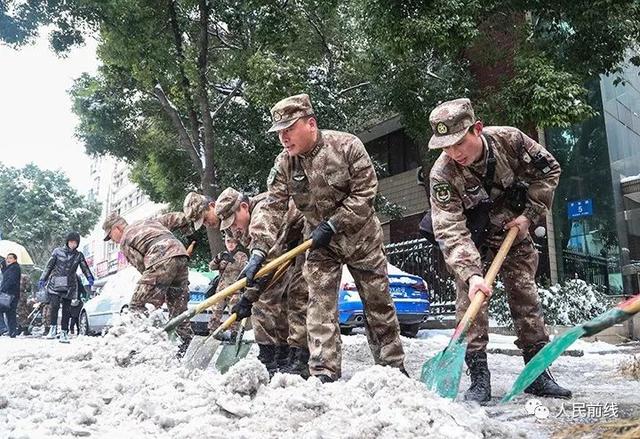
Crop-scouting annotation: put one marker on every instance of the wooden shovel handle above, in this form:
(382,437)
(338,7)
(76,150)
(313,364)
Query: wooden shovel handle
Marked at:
(490,277)
(225,325)
(237,285)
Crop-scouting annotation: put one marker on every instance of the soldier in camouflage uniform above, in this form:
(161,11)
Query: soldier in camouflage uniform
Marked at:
(150,246)
(331,179)
(502,168)
(200,209)
(278,316)
(23,307)
(229,265)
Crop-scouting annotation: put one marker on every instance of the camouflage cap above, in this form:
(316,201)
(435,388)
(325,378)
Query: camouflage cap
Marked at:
(286,112)
(226,206)
(111,220)
(194,207)
(450,122)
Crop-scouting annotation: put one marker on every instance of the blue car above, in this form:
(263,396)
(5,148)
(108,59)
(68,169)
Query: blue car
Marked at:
(409,294)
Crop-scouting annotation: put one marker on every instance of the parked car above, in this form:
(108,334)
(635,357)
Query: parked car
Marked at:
(113,299)
(410,297)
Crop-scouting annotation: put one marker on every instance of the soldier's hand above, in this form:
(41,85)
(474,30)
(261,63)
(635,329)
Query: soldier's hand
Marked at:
(322,235)
(253,266)
(41,285)
(478,284)
(522,223)
(242,309)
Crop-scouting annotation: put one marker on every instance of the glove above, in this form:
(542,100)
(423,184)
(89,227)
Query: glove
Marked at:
(90,282)
(242,309)
(227,257)
(322,235)
(253,265)
(41,285)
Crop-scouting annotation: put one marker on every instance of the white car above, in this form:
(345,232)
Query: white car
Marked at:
(99,312)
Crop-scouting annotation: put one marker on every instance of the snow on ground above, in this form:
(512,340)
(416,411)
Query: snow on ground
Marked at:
(128,385)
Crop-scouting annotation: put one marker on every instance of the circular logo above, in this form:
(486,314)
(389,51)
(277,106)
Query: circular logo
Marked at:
(277,116)
(442,128)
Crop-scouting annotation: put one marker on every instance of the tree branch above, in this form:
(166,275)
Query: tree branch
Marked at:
(353,87)
(183,135)
(216,33)
(185,85)
(227,99)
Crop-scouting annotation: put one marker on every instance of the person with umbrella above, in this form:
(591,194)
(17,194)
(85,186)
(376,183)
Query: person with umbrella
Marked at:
(10,286)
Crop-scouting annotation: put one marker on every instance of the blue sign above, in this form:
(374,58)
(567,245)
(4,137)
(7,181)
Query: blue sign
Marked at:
(580,208)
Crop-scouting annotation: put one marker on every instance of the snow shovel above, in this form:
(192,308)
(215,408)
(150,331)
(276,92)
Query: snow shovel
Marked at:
(202,348)
(230,354)
(558,345)
(237,285)
(442,373)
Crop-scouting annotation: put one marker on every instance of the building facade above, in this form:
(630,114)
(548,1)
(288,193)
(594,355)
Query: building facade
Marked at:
(593,230)
(111,187)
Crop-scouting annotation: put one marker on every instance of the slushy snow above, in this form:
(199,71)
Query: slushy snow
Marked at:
(128,384)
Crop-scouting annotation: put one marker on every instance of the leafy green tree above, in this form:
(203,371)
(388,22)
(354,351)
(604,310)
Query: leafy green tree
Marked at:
(38,208)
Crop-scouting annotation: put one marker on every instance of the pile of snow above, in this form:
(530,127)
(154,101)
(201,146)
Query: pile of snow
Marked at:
(129,384)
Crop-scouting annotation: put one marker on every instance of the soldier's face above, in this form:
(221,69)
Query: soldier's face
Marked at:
(231,244)
(299,137)
(210,217)
(469,149)
(241,220)
(116,234)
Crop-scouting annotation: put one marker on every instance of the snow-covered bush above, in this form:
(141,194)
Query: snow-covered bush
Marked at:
(566,304)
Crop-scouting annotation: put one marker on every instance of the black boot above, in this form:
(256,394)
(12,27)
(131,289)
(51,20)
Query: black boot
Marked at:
(325,379)
(544,385)
(299,364)
(283,356)
(267,356)
(480,389)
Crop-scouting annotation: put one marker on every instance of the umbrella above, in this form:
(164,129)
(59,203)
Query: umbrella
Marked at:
(7,247)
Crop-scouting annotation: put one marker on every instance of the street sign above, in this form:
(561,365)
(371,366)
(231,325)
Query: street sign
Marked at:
(580,208)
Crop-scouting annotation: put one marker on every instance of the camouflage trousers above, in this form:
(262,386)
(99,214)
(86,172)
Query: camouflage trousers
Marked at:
(368,266)
(167,281)
(518,275)
(279,315)
(218,311)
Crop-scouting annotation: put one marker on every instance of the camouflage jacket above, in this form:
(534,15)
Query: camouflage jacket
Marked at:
(289,233)
(229,271)
(455,189)
(334,181)
(145,243)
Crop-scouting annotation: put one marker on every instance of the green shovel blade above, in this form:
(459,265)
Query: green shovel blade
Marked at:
(542,360)
(442,373)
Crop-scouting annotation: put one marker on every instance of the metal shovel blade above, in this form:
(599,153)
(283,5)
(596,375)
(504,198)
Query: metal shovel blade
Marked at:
(200,352)
(230,354)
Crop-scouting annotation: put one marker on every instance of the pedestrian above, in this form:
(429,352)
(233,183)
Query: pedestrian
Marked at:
(487,180)
(229,265)
(10,286)
(278,316)
(59,278)
(162,260)
(332,181)
(24,307)
(76,308)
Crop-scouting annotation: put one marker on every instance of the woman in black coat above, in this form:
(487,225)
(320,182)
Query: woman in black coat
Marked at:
(11,285)
(61,282)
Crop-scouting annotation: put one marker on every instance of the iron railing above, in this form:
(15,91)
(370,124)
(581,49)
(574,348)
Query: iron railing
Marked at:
(420,258)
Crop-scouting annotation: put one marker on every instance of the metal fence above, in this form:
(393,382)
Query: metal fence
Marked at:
(591,269)
(422,259)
